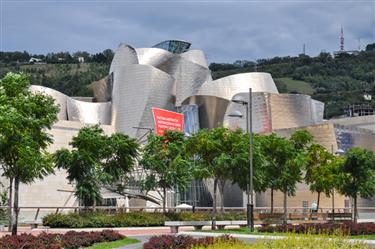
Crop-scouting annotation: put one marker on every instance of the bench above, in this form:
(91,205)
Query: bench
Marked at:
(340,216)
(198,225)
(33,224)
(271,218)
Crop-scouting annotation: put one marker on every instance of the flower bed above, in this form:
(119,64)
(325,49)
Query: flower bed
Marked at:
(292,242)
(69,240)
(347,228)
(122,219)
(184,242)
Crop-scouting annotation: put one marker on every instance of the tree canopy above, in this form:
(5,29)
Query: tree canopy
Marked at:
(165,163)
(25,118)
(357,175)
(96,160)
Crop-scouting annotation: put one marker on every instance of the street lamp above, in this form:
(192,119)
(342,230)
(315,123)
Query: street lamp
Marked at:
(249,129)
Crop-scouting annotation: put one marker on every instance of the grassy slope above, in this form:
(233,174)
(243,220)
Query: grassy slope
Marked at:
(113,244)
(296,86)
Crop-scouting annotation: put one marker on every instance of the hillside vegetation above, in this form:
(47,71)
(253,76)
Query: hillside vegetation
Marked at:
(336,81)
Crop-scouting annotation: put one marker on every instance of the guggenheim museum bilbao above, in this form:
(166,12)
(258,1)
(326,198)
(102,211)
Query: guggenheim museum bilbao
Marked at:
(171,76)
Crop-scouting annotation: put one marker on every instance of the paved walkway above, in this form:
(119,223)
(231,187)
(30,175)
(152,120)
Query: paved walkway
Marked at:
(142,238)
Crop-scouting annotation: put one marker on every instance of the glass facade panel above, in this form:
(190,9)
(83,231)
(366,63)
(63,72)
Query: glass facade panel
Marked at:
(174,46)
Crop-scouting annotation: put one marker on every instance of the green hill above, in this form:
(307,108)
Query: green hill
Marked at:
(71,79)
(289,85)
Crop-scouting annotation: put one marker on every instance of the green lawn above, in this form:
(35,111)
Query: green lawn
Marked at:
(113,244)
(246,230)
(296,86)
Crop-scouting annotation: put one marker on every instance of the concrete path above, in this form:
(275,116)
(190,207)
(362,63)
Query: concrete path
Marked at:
(142,238)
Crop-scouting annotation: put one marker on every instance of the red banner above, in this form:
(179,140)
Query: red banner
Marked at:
(167,120)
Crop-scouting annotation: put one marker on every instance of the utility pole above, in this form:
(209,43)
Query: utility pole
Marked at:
(251,207)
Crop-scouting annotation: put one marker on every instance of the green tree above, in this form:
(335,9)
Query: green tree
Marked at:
(25,118)
(165,164)
(96,160)
(240,162)
(357,176)
(217,153)
(270,150)
(285,158)
(319,172)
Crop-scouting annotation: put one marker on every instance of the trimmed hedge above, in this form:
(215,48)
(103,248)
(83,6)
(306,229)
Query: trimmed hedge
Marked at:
(185,242)
(69,240)
(122,219)
(346,228)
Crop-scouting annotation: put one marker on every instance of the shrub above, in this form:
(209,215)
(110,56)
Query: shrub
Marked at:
(122,219)
(291,242)
(70,240)
(184,242)
(348,228)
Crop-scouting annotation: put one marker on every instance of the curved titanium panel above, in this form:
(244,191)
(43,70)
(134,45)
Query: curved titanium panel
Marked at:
(102,90)
(228,86)
(261,113)
(59,97)
(317,111)
(211,110)
(89,113)
(293,110)
(156,57)
(189,76)
(195,56)
(136,89)
(125,55)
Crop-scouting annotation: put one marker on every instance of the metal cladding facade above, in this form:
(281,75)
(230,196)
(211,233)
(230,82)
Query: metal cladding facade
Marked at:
(125,55)
(136,89)
(59,98)
(89,113)
(189,71)
(231,85)
(102,89)
(170,76)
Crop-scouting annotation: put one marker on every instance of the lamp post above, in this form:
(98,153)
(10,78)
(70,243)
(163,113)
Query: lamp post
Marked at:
(249,129)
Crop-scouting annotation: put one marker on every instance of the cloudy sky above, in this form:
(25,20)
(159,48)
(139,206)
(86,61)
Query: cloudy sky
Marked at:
(225,30)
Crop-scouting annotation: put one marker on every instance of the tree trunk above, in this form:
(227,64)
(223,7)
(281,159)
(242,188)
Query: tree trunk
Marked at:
(355,209)
(333,205)
(10,198)
(164,200)
(221,189)
(318,202)
(94,206)
(285,206)
(15,206)
(213,225)
(271,200)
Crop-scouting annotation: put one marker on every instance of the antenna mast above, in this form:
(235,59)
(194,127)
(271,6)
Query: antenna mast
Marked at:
(342,40)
